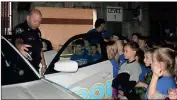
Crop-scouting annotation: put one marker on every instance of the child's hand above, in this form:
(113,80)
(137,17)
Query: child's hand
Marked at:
(157,71)
(141,84)
(121,93)
(173,94)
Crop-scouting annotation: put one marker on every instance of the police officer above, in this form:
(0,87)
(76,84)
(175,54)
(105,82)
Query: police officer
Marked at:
(28,39)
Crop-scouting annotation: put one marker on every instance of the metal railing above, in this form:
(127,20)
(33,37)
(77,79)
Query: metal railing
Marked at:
(5,18)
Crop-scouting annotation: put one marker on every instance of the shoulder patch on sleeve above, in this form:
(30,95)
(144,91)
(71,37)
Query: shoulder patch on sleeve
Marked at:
(19,30)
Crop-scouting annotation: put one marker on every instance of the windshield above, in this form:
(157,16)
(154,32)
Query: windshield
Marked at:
(13,68)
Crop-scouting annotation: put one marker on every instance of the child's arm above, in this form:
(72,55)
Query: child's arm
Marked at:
(157,72)
(152,86)
(141,84)
(158,95)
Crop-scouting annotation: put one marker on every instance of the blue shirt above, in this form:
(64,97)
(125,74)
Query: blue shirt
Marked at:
(105,34)
(122,59)
(115,67)
(81,59)
(96,57)
(86,51)
(144,70)
(163,84)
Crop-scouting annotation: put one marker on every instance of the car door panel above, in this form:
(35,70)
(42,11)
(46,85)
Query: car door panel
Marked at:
(86,78)
(99,81)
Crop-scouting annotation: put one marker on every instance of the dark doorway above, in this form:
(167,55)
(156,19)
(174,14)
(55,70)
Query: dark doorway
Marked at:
(162,15)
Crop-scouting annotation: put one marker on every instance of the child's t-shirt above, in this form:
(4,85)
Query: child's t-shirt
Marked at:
(141,91)
(81,59)
(122,59)
(115,67)
(86,51)
(145,70)
(164,83)
(132,68)
(96,57)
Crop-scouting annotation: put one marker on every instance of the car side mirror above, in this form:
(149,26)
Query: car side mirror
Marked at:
(66,66)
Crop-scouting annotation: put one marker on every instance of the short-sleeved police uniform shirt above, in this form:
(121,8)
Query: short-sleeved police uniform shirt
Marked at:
(30,37)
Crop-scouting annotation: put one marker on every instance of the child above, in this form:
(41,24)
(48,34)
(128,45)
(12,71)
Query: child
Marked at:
(131,67)
(79,55)
(120,45)
(94,53)
(172,93)
(163,66)
(140,57)
(112,52)
(141,86)
(135,37)
(142,42)
(86,46)
(115,36)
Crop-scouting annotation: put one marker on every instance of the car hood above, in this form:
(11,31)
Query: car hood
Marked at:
(40,89)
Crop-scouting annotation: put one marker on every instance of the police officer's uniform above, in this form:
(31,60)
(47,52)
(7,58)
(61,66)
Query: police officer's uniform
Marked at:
(30,37)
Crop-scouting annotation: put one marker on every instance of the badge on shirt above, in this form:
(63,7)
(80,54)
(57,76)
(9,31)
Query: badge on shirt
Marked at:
(19,30)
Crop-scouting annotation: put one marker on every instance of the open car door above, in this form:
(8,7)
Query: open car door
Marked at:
(92,79)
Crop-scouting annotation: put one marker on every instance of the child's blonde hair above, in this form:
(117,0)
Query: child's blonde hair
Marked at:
(167,56)
(112,50)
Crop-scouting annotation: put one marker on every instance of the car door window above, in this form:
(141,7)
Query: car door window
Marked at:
(82,51)
(68,52)
(46,45)
(14,68)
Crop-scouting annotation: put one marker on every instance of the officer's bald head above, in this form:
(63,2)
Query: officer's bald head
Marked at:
(34,18)
(35,11)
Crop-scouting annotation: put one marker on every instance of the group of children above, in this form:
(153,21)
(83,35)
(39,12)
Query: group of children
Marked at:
(85,53)
(142,70)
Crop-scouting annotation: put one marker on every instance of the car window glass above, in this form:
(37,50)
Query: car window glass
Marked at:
(14,68)
(82,51)
(46,45)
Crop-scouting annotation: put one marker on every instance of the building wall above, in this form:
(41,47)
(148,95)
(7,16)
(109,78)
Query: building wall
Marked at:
(58,33)
(128,25)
